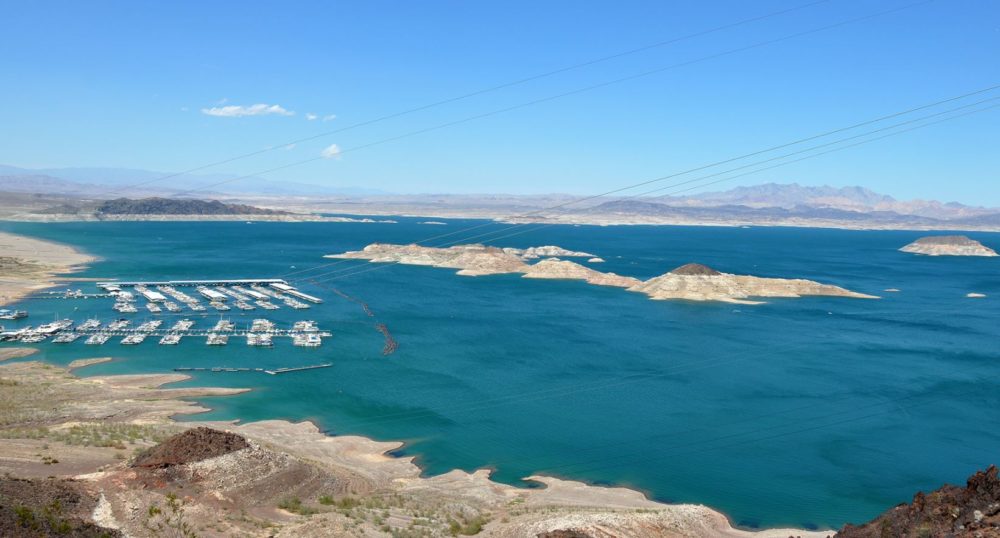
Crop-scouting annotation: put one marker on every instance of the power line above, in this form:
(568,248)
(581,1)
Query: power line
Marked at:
(695,169)
(543,225)
(592,87)
(476,93)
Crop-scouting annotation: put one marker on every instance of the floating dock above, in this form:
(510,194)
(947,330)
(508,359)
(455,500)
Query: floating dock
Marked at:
(275,371)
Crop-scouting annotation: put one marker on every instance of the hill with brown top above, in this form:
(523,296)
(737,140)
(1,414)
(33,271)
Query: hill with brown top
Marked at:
(948,245)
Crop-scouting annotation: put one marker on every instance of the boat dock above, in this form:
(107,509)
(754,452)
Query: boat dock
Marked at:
(275,371)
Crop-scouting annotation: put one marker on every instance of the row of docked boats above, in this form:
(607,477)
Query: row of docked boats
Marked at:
(261,332)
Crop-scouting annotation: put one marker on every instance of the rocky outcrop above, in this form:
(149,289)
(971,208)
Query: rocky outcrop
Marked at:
(694,282)
(554,268)
(470,260)
(48,507)
(190,446)
(948,245)
(549,251)
(953,511)
(172,206)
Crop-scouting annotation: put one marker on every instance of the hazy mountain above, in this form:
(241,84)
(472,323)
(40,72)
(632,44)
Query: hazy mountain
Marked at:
(114,181)
(859,199)
(173,206)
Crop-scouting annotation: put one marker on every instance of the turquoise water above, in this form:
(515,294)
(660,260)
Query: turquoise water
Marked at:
(809,412)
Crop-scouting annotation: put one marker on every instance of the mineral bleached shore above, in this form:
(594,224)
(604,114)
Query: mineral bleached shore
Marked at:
(691,282)
(111,441)
(948,245)
(28,264)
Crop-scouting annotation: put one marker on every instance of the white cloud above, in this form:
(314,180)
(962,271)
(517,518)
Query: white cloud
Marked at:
(236,111)
(310,116)
(331,151)
(329,117)
(290,146)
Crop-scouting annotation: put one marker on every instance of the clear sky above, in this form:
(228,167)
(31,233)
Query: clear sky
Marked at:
(171,85)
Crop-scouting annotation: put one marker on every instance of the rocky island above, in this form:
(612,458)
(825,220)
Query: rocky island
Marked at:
(948,245)
(690,282)
(696,282)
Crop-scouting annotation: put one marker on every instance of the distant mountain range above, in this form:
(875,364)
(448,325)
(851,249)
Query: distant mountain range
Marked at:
(111,182)
(766,204)
(173,206)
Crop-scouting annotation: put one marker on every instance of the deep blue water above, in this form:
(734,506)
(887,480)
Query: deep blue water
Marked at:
(805,412)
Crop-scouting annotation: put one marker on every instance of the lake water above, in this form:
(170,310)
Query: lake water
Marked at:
(803,412)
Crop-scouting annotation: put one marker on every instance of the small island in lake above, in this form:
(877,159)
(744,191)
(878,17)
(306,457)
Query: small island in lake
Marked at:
(696,282)
(691,282)
(948,245)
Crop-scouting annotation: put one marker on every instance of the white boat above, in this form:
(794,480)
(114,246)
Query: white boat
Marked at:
(89,325)
(259,339)
(150,326)
(65,338)
(261,325)
(98,339)
(153,307)
(33,337)
(307,340)
(305,326)
(12,314)
(182,325)
(266,305)
(244,305)
(222,307)
(133,339)
(224,325)
(118,325)
(170,340)
(215,339)
(171,306)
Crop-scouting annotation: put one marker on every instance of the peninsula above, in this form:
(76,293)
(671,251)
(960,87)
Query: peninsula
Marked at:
(948,245)
(691,282)
(28,264)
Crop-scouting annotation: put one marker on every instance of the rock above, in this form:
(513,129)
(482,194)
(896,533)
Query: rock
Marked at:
(695,269)
(696,282)
(948,245)
(949,511)
(692,281)
(193,445)
(555,268)
(551,250)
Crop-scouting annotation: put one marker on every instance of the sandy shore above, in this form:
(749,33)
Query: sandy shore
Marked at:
(239,493)
(28,264)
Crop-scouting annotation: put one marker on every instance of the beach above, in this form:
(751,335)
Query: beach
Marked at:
(28,264)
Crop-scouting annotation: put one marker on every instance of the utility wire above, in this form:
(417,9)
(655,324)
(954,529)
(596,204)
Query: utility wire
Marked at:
(492,234)
(699,168)
(564,94)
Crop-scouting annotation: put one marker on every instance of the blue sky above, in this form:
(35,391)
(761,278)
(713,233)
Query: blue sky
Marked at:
(128,84)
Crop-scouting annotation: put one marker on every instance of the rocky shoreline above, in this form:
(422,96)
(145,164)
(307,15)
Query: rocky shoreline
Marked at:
(283,479)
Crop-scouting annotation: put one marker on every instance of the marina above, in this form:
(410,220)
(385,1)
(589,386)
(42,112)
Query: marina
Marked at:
(260,333)
(156,297)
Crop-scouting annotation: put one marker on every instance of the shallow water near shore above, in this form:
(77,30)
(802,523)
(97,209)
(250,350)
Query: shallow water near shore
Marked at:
(805,412)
